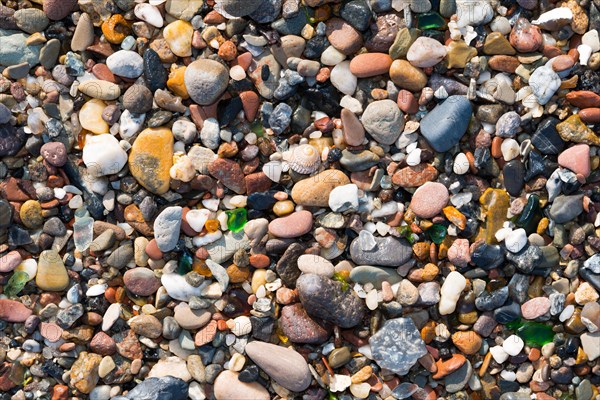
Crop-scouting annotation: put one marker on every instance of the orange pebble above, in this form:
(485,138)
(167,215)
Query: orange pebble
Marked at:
(260,260)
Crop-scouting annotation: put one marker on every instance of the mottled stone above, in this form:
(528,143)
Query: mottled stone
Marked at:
(397,346)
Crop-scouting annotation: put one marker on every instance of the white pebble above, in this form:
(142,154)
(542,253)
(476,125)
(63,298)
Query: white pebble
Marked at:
(450,292)
(513,345)
(516,240)
(591,39)
(499,354)
(414,158)
(510,149)
(461,164)
(149,14)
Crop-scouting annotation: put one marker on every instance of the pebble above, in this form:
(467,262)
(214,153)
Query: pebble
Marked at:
(370,64)
(151,158)
(99,89)
(284,365)
(383,120)
(291,226)
(342,78)
(444,126)
(544,82)
(125,63)
(228,386)
(450,292)
(429,199)
(344,308)
(103,155)
(205,80)
(426,52)
(166,228)
(51,272)
(387,251)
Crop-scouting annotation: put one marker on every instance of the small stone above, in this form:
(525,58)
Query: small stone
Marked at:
(467,342)
(167,387)
(343,36)
(299,327)
(84,372)
(205,80)
(228,386)
(444,126)
(573,129)
(370,64)
(291,226)
(577,159)
(344,198)
(84,32)
(383,120)
(125,63)
(99,89)
(137,99)
(178,35)
(58,9)
(535,308)
(426,52)
(141,281)
(284,365)
(397,345)
(166,228)
(513,345)
(429,200)
(13,311)
(323,298)
(151,158)
(388,251)
(450,292)
(544,83)
(51,274)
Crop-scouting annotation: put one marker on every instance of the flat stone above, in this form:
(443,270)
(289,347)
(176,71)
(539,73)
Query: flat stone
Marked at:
(325,299)
(375,275)
(314,191)
(168,387)
(284,365)
(51,273)
(151,158)
(397,345)
(299,327)
(445,125)
(291,226)
(13,311)
(388,252)
(166,228)
(429,200)
(228,386)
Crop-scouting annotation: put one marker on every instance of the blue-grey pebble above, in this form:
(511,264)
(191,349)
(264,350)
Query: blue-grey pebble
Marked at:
(445,125)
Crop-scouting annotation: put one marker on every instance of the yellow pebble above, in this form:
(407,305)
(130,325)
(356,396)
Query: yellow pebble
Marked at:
(542,225)
(31,214)
(282,208)
(116,29)
(178,35)
(176,83)
(90,117)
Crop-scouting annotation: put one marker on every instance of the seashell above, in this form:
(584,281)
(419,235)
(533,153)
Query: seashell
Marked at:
(305,159)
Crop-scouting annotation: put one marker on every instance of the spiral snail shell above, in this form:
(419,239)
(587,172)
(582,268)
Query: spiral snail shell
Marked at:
(305,159)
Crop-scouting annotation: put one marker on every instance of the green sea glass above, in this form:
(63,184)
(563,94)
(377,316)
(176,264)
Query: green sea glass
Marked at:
(533,333)
(16,283)
(236,219)
(531,215)
(185,263)
(437,233)
(431,20)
